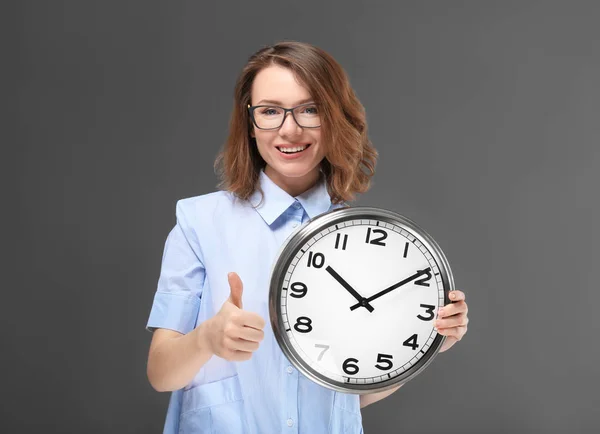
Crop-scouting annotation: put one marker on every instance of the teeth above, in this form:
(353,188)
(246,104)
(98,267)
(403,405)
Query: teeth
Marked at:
(291,150)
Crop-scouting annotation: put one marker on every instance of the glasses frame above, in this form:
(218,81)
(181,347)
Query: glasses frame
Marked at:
(285,112)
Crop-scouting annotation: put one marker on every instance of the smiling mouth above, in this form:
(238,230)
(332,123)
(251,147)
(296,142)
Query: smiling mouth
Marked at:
(292,149)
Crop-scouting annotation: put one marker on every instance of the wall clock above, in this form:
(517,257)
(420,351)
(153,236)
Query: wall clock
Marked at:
(353,298)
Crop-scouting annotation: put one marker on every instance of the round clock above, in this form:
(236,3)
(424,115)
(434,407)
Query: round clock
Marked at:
(353,298)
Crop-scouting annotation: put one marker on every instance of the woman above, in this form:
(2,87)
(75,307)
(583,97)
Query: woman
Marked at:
(297,147)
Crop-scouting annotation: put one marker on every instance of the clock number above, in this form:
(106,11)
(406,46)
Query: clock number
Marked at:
(349,366)
(299,288)
(386,360)
(376,241)
(406,249)
(428,309)
(411,342)
(423,280)
(317,260)
(325,348)
(337,241)
(303,324)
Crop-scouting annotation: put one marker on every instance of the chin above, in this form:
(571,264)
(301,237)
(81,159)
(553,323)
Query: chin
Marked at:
(296,172)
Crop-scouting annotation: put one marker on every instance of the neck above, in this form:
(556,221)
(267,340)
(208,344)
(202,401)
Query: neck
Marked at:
(294,186)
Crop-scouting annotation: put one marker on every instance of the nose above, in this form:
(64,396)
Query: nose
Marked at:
(289,127)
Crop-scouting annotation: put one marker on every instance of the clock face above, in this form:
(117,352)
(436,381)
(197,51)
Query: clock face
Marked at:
(357,299)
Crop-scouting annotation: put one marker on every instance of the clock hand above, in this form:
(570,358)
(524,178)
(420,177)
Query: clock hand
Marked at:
(361,300)
(391,288)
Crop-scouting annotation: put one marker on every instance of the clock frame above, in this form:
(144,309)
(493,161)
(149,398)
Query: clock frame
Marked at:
(333,221)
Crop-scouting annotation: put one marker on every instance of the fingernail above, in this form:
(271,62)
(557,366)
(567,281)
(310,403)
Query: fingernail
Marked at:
(440,312)
(452,296)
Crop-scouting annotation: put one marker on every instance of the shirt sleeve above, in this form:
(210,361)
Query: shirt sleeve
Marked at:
(177,299)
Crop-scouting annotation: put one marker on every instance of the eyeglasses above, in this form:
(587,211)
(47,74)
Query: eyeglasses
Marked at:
(269,117)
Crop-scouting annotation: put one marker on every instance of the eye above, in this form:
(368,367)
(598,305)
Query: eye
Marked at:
(311,110)
(269,111)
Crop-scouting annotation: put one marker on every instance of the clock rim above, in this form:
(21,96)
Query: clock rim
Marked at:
(289,249)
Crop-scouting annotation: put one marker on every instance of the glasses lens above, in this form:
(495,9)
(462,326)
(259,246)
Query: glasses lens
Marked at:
(268,117)
(307,116)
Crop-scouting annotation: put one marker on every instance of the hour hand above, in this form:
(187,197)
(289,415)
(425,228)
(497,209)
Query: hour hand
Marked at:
(391,288)
(361,300)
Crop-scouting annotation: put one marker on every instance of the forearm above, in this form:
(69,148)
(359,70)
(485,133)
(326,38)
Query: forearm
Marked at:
(374,397)
(174,362)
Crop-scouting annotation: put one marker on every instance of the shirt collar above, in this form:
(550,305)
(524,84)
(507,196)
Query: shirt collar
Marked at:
(276,201)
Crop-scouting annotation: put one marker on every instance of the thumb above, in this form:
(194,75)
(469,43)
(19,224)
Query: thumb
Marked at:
(235,283)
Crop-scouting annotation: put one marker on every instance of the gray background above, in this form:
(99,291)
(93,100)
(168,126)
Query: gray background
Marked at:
(486,117)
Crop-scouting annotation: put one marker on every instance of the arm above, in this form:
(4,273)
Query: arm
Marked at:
(232,334)
(178,349)
(374,397)
(174,358)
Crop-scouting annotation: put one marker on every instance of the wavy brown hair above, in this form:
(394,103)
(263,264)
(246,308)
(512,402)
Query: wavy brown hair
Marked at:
(350,158)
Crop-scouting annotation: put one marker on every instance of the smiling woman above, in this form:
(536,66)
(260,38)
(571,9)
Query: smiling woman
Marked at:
(297,148)
(296,115)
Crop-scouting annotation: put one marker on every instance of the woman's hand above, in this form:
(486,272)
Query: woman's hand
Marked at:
(452,320)
(234,334)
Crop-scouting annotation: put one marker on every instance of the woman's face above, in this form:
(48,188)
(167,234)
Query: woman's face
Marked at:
(298,171)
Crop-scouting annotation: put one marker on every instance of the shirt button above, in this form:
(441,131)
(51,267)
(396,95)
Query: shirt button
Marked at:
(290,422)
(289,369)
(295,225)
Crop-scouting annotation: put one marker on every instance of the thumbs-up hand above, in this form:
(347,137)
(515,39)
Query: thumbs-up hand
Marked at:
(233,333)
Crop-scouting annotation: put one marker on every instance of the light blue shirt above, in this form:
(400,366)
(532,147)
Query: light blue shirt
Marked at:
(215,234)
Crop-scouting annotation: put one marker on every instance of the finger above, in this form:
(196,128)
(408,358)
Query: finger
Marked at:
(236,288)
(251,319)
(242,345)
(455,332)
(237,356)
(452,309)
(453,321)
(251,334)
(456,295)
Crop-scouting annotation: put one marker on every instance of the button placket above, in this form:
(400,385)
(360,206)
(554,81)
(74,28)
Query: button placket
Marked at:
(290,416)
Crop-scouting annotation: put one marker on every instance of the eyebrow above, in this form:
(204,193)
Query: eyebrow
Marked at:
(275,102)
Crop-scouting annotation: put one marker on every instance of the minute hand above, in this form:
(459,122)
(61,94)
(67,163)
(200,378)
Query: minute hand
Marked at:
(391,288)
